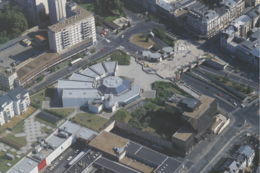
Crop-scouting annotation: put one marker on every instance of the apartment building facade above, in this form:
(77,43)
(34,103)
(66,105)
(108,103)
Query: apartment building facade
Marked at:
(34,7)
(16,102)
(57,10)
(7,77)
(75,29)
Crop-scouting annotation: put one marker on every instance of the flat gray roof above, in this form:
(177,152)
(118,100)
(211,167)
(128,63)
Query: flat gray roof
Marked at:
(4,99)
(11,42)
(110,66)
(134,91)
(17,91)
(98,68)
(169,166)
(90,72)
(26,164)
(167,49)
(65,83)
(150,54)
(81,77)
(81,93)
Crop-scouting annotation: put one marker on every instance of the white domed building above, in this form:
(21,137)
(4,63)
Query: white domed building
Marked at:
(97,87)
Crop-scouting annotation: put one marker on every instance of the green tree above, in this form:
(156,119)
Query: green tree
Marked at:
(150,17)
(225,79)
(249,89)
(124,27)
(129,24)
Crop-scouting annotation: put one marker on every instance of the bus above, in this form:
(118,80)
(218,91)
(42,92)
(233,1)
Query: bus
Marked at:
(75,61)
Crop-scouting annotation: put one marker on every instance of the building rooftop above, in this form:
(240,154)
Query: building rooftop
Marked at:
(183,133)
(81,14)
(170,165)
(40,37)
(81,77)
(151,155)
(98,68)
(6,71)
(132,147)
(203,15)
(190,102)
(228,3)
(167,49)
(110,66)
(137,165)
(242,20)
(196,5)
(35,63)
(11,42)
(114,166)
(150,54)
(81,93)
(90,72)
(4,99)
(106,142)
(205,105)
(16,93)
(114,85)
(71,84)
(26,165)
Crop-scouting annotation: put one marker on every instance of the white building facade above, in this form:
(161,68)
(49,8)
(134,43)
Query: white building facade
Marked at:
(57,10)
(76,29)
(16,102)
(7,78)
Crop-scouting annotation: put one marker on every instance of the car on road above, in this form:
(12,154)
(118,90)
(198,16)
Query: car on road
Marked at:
(122,36)
(242,105)
(60,158)
(220,94)
(103,49)
(234,104)
(69,69)
(256,104)
(70,157)
(229,99)
(76,152)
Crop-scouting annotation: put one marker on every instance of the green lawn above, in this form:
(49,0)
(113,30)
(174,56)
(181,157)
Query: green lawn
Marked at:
(139,40)
(19,127)
(63,64)
(44,95)
(18,140)
(96,123)
(45,122)
(61,113)
(117,55)
(4,160)
(45,130)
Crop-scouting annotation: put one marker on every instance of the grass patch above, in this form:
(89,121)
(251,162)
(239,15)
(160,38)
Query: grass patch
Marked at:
(19,127)
(44,95)
(63,64)
(4,160)
(96,122)
(117,55)
(29,111)
(61,113)
(18,140)
(15,120)
(45,130)
(139,40)
(45,122)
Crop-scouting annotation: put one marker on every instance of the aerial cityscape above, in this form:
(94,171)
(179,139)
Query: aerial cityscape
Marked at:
(129,86)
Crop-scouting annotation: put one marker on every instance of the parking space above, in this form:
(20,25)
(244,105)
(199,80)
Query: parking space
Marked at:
(17,53)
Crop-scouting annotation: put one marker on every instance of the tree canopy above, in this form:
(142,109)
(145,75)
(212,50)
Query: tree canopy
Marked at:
(108,6)
(13,23)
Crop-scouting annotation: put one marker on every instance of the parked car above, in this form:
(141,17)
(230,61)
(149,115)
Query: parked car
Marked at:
(103,49)
(70,157)
(76,152)
(234,104)
(122,36)
(242,105)
(220,94)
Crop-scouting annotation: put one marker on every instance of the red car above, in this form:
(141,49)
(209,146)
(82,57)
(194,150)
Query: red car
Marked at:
(219,94)
(103,49)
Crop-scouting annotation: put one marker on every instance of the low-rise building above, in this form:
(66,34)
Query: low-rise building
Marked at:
(220,123)
(150,56)
(15,102)
(7,77)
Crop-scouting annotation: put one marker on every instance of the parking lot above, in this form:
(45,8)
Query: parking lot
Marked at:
(16,53)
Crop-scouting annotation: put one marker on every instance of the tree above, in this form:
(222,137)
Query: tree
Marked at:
(146,38)
(129,24)
(150,17)
(249,89)
(124,27)
(225,79)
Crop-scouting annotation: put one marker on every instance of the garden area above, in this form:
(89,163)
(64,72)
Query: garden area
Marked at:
(45,122)
(19,127)
(161,34)
(165,90)
(241,87)
(61,113)
(142,40)
(90,121)
(4,160)
(117,55)
(46,130)
(15,142)
(108,10)
(44,95)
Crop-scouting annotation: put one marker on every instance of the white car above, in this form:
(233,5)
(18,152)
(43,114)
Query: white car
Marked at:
(242,105)
(234,104)
(122,36)
(76,152)
(70,157)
